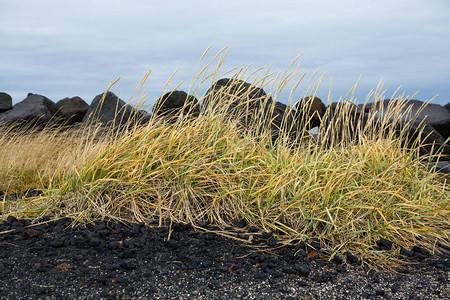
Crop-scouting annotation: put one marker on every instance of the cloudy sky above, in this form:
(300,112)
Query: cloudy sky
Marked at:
(75,48)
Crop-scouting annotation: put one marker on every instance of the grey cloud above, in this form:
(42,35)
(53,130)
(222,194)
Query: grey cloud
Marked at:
(66,48)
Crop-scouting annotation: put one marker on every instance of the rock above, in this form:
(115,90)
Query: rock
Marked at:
(112,111)
(72,110)
(442,167)
(343,118)
(428,136)
(347,127)
(283,118)
(235,93)
(251,105)
(144,116)
(352,259)
(447,106)
(312,109)
(443,128)
(34,108)
(174,103)
(433,114)
(384,244)
(5,102)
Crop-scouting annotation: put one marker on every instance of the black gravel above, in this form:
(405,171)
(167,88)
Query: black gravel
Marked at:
(111,260)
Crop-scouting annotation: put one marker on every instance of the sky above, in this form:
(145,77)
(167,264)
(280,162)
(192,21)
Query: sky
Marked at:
(76,48)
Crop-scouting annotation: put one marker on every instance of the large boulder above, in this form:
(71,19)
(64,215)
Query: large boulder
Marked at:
(72,110)
(433,114)
(175,103)
(112,112)
(283,118)
(34,108)
(251,105)
(311,109)
(5,102)
(447,106)
(349,120)
(431,141)
(342,118)
(235,94)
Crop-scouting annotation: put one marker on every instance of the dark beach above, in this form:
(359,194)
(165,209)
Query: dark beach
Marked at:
(110,260)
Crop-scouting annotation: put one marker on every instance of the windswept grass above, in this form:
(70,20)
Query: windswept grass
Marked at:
(31,158)
(346,192)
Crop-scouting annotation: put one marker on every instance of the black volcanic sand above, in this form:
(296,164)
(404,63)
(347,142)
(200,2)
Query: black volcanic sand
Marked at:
(111,260)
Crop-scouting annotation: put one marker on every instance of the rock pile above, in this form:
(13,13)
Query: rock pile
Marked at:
(430,123)
(257,110)
(110,110)
(35,108)
(254,109)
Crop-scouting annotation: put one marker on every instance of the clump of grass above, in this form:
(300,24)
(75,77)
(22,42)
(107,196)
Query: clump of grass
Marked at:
(30,157)
(346,192)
